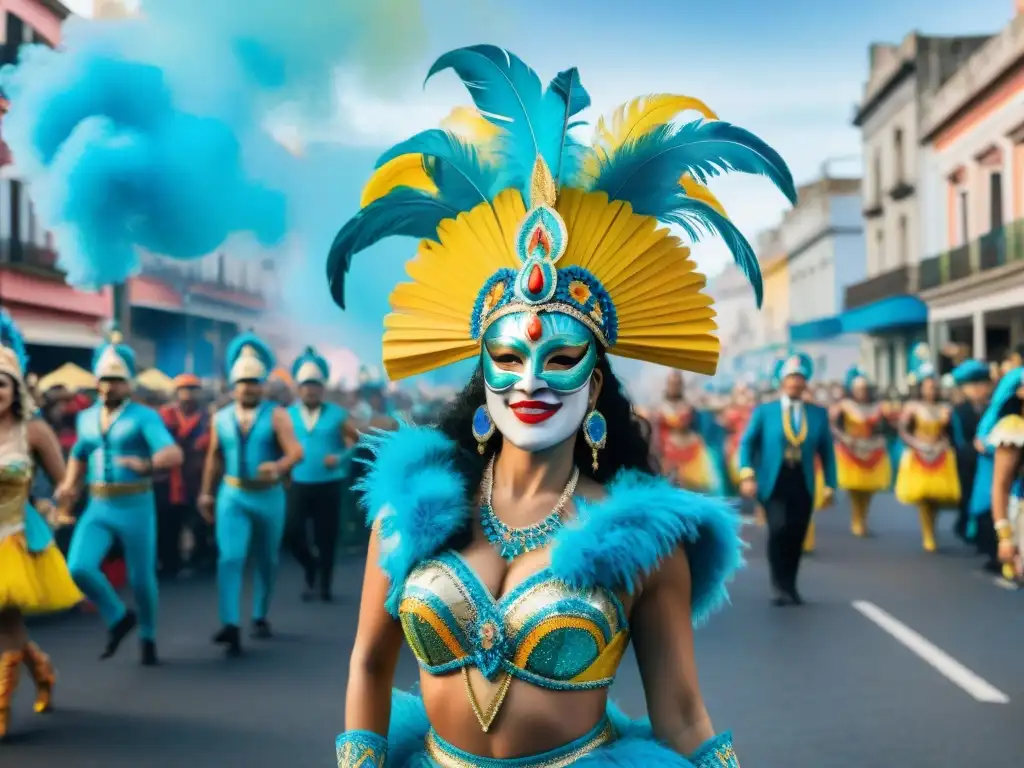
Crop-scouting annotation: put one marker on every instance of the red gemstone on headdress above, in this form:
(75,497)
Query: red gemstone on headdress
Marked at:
(536,282)
(540,240)
(534,329)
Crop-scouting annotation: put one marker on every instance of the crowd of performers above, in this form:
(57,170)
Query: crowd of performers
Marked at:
(935,447)
(265,474)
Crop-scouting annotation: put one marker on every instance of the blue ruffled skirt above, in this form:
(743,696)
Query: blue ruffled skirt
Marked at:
(630,744)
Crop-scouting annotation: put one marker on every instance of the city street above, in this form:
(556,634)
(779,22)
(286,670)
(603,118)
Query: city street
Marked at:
(899,659)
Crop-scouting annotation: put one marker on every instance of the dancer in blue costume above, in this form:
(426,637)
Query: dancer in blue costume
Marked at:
(325,432)
(974,379)
(523,541)
(120,445)
(252,448)
(777,466)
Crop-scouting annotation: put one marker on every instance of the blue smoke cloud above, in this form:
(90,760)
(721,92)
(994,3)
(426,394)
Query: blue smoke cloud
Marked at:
(148,133)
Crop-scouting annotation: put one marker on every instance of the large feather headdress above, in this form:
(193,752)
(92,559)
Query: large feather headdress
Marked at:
(14,359)
(516,214)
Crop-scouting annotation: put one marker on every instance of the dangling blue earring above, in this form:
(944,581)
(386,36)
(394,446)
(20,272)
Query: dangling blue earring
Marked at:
(595,432)
(483,428)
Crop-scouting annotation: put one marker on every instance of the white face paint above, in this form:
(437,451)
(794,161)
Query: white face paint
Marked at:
(536,395)
(534,418)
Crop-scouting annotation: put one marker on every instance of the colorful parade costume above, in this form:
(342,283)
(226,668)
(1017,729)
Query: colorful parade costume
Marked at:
(927,477)
(250,509)
(315,494)
(536,242)
(121,507)
(34,579)
(863,466)
(682,450)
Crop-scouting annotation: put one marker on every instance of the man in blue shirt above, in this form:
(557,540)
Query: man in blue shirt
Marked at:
(252,449)
(120,445)
(325,433)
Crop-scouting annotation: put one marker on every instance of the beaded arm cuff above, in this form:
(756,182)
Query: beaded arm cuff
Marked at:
(361,749)
(716,753)
(746,473)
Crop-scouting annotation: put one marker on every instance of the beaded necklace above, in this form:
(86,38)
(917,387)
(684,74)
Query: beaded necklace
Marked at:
(513,542)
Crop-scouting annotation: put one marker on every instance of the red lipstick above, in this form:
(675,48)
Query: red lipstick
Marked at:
(534,411)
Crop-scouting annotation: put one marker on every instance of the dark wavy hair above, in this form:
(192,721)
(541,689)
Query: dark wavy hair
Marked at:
(17,406)
(628,445)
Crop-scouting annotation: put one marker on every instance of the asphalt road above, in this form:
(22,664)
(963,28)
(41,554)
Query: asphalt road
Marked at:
(823,686)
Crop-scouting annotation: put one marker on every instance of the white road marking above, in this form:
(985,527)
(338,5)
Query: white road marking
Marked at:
(942,662)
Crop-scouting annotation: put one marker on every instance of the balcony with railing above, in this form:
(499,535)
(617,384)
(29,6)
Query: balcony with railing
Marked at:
(991,251)
(196,277)
(895,282)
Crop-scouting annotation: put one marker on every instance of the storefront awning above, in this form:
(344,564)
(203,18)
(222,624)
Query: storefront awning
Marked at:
(53,332)
(889,314)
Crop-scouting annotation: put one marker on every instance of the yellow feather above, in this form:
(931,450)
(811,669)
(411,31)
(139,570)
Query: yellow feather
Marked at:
(664,315)
(642,115)
(402,171)
(698,191)
(637,118)
(468,124)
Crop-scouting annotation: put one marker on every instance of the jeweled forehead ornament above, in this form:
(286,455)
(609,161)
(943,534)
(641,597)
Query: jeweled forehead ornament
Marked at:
(539,285)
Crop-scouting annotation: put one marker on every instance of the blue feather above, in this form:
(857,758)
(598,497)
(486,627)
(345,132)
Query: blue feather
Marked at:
(462,179)
(567,93)
(10,337)
(250,339)
(645,172)
(508,93)
(697,217)
(403,211)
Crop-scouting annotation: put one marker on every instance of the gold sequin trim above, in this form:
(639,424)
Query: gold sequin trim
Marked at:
(446,759)
(486,716)
(350,757)
(555,306)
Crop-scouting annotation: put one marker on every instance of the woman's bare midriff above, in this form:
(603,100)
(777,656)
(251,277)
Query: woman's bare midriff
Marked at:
(532,719)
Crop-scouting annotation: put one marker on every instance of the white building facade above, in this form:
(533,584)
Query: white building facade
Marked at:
(972,276)
(823,237)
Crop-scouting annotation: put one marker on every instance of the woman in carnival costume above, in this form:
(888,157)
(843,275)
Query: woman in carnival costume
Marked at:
(522,541)
(33,575)
(682,448)
(862,456)
(734,419)
(927,477)
(1002,430)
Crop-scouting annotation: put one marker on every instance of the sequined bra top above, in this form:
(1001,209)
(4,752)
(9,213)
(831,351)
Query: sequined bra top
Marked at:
(15,483)
(542,632)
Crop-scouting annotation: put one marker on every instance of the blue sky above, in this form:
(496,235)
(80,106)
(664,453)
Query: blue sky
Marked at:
(789,70)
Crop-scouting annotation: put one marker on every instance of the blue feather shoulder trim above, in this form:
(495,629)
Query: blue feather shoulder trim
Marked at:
(414,493)
(614,542)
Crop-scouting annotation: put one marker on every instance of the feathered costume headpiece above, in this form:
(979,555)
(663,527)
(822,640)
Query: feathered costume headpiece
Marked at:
(310,368)
(249,358)
(14,359)
(516,215)
(114,359)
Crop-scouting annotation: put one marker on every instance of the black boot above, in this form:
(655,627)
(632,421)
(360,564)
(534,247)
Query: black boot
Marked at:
(118,633)
(231,638)
(261,630)
(149,658)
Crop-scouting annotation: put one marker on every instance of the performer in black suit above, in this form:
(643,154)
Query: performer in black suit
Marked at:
(975,381)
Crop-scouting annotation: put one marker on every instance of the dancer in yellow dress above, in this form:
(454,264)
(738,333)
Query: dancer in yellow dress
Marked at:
(862,455)
(927,476)
(33,575)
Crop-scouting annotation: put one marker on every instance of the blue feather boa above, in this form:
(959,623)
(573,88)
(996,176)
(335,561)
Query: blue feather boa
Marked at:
(417,499)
